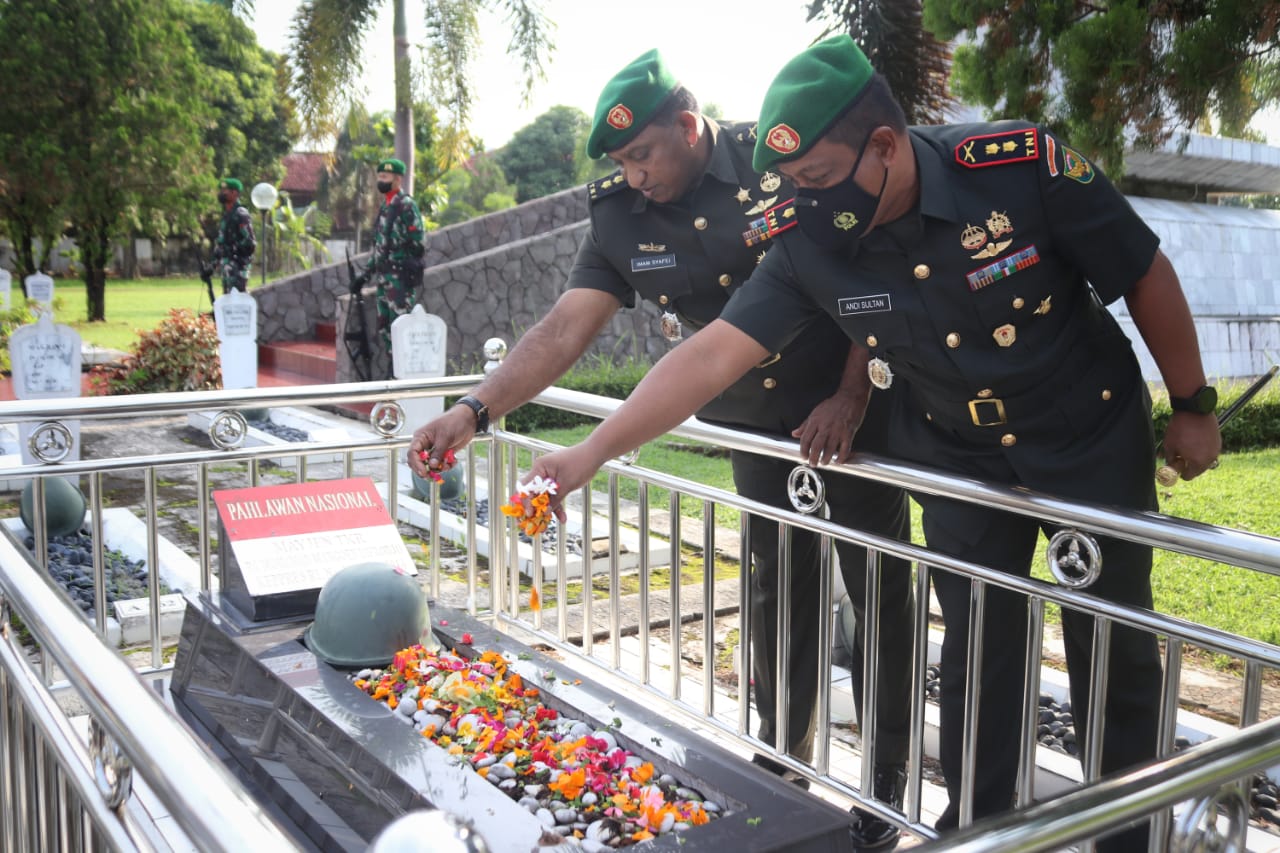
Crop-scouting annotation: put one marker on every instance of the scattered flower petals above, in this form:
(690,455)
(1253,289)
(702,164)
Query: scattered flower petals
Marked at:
(436,472)
(531,505)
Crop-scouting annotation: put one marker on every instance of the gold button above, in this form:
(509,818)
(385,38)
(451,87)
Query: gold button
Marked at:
(1106,393)
(921,271)
(662,299)
(1008,439)
(726,280)
(1018,303)
(985,393)
(771,383)
(928,417)
(872,340)
(700,223)
(953,340)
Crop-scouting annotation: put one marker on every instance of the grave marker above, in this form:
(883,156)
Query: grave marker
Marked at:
(419,344)
(236,315)
(46,365)
(40,289)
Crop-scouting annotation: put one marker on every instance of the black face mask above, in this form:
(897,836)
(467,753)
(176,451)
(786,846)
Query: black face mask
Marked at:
(836,216)
(384,186)
(223,198)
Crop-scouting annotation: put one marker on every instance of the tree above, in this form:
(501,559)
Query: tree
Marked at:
(548,154)
(1101,72)
(123,111)
(254,126)
(893,36)
(475,188)
(328,42)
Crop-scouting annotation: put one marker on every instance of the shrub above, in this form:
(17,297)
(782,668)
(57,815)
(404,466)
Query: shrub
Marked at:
(1254,427)
(181,354)
(16,317)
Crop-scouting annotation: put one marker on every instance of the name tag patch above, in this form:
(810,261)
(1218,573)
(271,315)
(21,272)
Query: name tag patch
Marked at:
(850,305)
(653,262)
(1003,268)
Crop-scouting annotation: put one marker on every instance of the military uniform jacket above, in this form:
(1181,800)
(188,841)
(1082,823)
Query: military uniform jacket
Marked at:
(398,238)
(689,258)
(233,249)
(988,299)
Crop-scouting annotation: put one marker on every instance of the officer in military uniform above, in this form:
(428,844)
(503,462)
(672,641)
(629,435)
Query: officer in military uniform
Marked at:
(233,248)
(399,244)
(683,223)
(972,261)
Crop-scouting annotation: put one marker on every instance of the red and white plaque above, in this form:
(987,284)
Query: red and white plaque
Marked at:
(297,535)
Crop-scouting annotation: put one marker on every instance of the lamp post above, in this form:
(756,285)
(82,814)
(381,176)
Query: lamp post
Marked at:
(264,198)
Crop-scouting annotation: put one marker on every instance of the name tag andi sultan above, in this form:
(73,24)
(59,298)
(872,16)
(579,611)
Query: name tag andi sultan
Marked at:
(653,262)
(864,304)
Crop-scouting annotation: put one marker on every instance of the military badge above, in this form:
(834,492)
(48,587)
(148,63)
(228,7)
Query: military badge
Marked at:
(762,205)
(1005,335)
(1044,306)
(1075,166)
(1051,155)
(774,222)
(606,186)
(997,149)
(782,138)
(1003,268)
(770,182)
(759,258)
(999,225)
(620,118)
(844,220)
(670,325)
(880,373)
(651,247)
(743,196)
(972,238)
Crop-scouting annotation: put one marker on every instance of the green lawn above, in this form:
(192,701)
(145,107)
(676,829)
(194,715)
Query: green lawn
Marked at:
(132,305)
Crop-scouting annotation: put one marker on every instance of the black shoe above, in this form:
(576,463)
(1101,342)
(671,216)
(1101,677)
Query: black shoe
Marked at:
(761,760)
(870,832)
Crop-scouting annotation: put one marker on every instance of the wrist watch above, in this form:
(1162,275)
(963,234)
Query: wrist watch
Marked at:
(1203,402)
(480,409)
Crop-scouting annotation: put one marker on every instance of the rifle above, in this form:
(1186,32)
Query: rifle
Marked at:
(206,274)
(356,334)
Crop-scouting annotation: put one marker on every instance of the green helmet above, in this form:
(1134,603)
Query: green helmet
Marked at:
(366,613)
(453,484)
(64,507)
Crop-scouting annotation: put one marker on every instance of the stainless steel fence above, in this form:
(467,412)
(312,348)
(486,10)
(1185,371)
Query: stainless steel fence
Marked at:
(634,622)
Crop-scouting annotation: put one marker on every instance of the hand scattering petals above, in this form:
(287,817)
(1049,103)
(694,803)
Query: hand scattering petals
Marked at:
(531,505)
(436,470)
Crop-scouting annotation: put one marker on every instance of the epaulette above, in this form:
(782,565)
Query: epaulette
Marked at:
(606,186)
(998,149)
(748,135)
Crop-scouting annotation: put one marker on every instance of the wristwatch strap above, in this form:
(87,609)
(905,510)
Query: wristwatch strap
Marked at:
(480,409)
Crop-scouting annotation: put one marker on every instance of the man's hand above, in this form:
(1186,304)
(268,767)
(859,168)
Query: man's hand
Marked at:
(451,431)
(827,434)
(571,468)
(358,283)
(1192,443)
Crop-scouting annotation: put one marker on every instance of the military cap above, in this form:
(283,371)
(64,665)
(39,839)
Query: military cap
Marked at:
(628,102)
(230,184)
(809,94)
(392,165)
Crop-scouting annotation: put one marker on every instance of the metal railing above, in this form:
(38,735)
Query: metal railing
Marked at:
(48,780)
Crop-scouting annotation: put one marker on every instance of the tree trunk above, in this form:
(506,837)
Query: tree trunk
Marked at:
(95,252)
(130,254)
(404,97)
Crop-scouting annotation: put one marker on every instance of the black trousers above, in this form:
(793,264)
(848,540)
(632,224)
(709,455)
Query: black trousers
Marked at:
(857,503)
(1006,541)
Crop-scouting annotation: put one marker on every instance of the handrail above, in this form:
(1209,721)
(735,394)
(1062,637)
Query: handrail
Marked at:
(203,798)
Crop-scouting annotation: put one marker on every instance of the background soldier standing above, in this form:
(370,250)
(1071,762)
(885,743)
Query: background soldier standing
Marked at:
(398,247)
(233,250)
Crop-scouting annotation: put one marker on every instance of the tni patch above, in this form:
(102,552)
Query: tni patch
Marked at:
(996,149)
(1003,268)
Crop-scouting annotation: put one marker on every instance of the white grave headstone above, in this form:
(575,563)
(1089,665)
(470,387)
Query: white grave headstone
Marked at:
(40,289)
(418,349)
(6,290)
(236,314)
(46,364)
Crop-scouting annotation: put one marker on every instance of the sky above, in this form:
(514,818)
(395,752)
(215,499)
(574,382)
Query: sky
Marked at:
(725,52)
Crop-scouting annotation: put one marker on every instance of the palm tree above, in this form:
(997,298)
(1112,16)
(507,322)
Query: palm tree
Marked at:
(892,34)
(328,42)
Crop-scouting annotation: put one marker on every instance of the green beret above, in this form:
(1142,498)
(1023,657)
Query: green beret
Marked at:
(810,92)
(392,165)
(230,184)
(628,102)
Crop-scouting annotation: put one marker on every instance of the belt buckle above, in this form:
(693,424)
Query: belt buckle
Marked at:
(770,360)
(977,417)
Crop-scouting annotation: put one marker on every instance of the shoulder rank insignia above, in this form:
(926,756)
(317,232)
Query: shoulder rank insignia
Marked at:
(774,222)
(606,186)
(997,149)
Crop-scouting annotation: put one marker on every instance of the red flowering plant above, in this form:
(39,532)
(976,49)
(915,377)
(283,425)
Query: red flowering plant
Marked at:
(487,716)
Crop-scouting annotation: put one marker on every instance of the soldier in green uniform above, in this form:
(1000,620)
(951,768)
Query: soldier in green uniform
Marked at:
(233,248)
(683,223)
(399,244)
(972,261)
